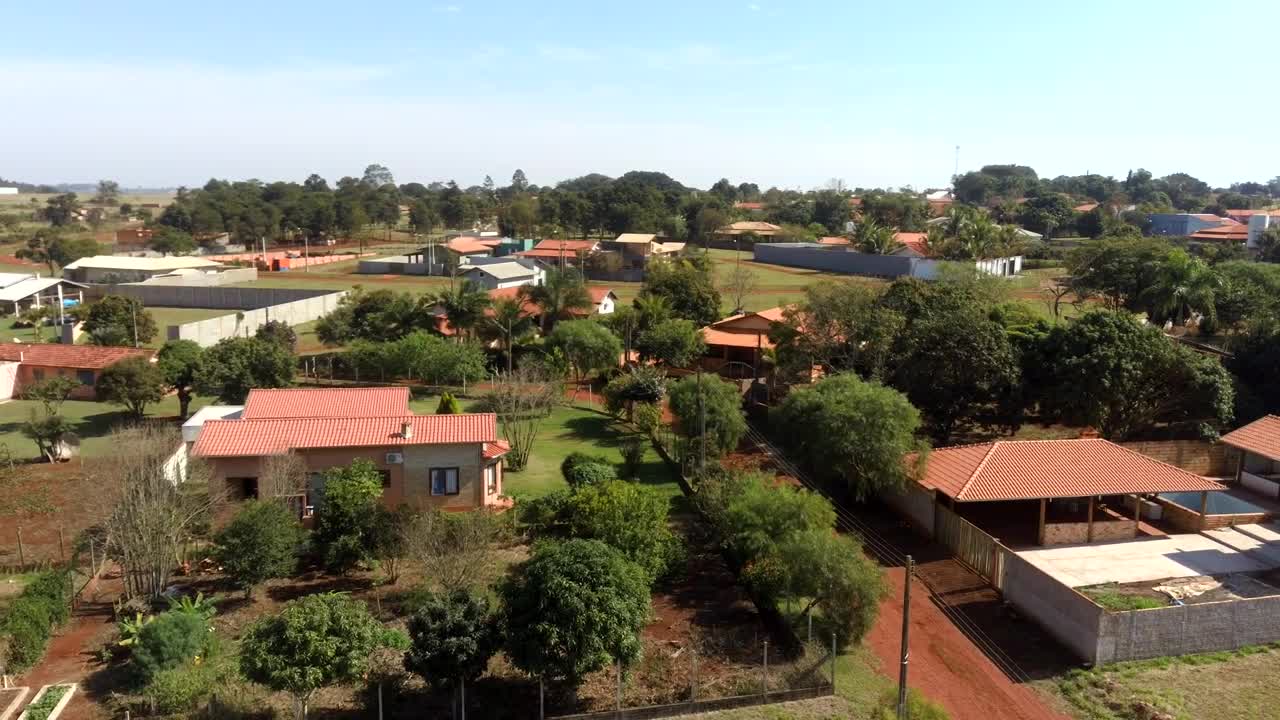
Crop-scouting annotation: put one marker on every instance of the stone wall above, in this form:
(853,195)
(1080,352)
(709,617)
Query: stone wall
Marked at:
(1179,630)
(1078,532)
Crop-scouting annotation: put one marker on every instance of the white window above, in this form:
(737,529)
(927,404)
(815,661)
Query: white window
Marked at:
(491,479)
(444,481)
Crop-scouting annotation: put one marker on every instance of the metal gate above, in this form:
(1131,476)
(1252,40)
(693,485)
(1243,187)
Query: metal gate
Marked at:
(970,544)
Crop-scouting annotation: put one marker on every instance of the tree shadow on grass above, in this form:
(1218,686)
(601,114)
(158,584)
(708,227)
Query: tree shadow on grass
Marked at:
(313,583)
(597,428)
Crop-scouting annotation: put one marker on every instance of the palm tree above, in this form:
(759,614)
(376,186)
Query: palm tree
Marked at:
(652,310)
(508,323)
(561,294)
(876,239)
(1183,285)
(464,306)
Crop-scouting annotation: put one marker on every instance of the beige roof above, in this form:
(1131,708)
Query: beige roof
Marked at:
(502,271)
(32,286)
(636,238)
(125,262)
(745,226)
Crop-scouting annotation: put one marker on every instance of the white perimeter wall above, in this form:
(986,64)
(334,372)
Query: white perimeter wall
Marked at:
(246,322)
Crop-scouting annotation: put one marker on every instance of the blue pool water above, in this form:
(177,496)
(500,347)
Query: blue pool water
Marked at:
(1220,503)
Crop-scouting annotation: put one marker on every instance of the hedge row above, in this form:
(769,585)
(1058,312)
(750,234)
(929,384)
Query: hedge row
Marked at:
(30,619)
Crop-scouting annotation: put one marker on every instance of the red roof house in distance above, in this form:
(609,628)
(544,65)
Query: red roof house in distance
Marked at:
(739,340)
(914,244)
(1227,232)
(1054,492)
(1258,462)
(565,252)
(453,462)
(23,364)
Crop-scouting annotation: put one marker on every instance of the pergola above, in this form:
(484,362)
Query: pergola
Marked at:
(1047,470)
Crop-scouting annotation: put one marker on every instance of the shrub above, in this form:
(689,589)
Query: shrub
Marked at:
(448,405)
(186,687)
(918,707)
(575,458)
(27,628)
(544,513)
(452,636)
(592,473)
(54,587)
(260,543)
(172,639)
(629,517)
(647,417)
(632,450)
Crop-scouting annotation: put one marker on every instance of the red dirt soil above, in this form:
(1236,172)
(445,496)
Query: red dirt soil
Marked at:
(944,665)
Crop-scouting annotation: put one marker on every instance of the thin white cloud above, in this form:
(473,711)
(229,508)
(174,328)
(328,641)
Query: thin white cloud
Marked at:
(753,7)
(567,53)
(447,8)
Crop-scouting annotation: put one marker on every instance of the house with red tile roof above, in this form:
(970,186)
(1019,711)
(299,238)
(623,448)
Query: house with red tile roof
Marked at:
(1053,492)
(562,253)
(452,462)
(1258,455)
(23,364)
(739,341)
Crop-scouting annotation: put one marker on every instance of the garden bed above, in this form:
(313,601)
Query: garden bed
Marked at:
(10,700)
(49,703)
(1187,590)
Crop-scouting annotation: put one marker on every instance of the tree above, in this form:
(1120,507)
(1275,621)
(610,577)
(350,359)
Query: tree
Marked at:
(235,366)
(37,316)
(629,517)
(958,367)
(375,176)
(836,326)
(710,410)
(60,210)
(152,517)
(377,316)
(1107,371)
(834,573)
(1184,285)
(676,343)
(317,641)
(1121,270)
(49,246)
(348,502)
(260,543)
(519,182)
(740,283)
(455,550)
(1255,360)
(587,344)
(573,608)
(46,432)
(179,362)
(51,393)
(169,640)
(688,285)
(522,399)
(108,192)
(850,432)
(876,239)
(508,323)
(119,320)
(1269,245)
(448,405)
(562,295)
(451,638)
(169,240)
(278,332)
(133,382)
(464,306)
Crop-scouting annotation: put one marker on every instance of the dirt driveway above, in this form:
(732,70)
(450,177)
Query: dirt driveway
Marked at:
(945,665)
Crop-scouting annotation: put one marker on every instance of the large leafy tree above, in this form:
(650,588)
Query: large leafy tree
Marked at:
(850,432)
(179,361)
(688,285)
(317,641)
(1120,270)
(452,636)
(1183,285)
(561,296)
(508,324)
(464,307)
(676,343)
(836,326)
(708,410)
(1255,360)
(587,344)
(346,514)
(573,608)
(628,516)
(260,543)
(133,382)
(377,316)
(235,366)
(1108,371)
(119,320)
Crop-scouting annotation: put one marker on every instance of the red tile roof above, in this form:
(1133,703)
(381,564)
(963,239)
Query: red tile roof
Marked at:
(598,294)
(568,254)
(327,402)
(1086,207)
(833,240)
(1034,469)
(496,449)
(1223,233)
(467,246)
(917,243)
(749,205)
(254,438)
(1262,437)
(712,336)
(569,246)
(80,357)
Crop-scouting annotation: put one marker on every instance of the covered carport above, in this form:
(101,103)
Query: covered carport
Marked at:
(1258,458)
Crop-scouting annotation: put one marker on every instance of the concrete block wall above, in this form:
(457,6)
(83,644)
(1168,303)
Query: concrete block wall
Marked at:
(218,298)
(245,323)
(822,257)
(1197,456)
(1069,616)
(916,504)
(1207,627)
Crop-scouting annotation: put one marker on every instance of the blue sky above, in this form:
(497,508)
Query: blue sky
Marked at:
(788,94)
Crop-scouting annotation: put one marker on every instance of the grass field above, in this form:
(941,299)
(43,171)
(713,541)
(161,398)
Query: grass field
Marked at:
(91,421)
(1242,686)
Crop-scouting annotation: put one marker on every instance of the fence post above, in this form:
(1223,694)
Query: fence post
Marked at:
(462,686)
(810,614)
(906,628)
(764,687)
(22,556)
(693,686)
(93,559)
(62,548)
(618,666)
(542,701)
(833,663)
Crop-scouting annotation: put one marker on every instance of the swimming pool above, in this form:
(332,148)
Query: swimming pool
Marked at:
(1220,503)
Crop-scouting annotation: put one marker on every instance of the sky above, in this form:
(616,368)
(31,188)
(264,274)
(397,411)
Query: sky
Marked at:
(790,94)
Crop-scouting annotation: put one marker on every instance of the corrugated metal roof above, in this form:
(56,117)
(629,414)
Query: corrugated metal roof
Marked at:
(123,262)
(502,271)
(1034,469)
(1262,436)
(327,402)
(26,288)
(275,436)
(642,238)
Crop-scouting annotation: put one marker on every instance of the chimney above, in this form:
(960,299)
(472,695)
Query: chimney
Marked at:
(1090,433)
(406,430)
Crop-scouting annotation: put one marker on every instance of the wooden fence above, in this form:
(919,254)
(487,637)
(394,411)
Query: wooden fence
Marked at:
(971,545)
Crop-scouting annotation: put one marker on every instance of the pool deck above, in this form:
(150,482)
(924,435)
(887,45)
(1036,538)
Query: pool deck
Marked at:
(1262,504)
(1244,548)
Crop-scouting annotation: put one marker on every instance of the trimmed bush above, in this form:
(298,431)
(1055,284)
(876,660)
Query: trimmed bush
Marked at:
(575,459)
(30,619)
(172,639)
(186,687)
(592,473)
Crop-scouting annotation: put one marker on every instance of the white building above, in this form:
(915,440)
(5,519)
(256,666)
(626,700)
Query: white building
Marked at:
(8,191)
(110,269)
(500,273)
(1258,224)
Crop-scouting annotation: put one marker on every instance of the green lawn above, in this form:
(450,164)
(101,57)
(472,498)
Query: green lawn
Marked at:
(92,421)
(566,430)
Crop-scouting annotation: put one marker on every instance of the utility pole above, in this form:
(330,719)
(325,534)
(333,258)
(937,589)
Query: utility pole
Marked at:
(906,627)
